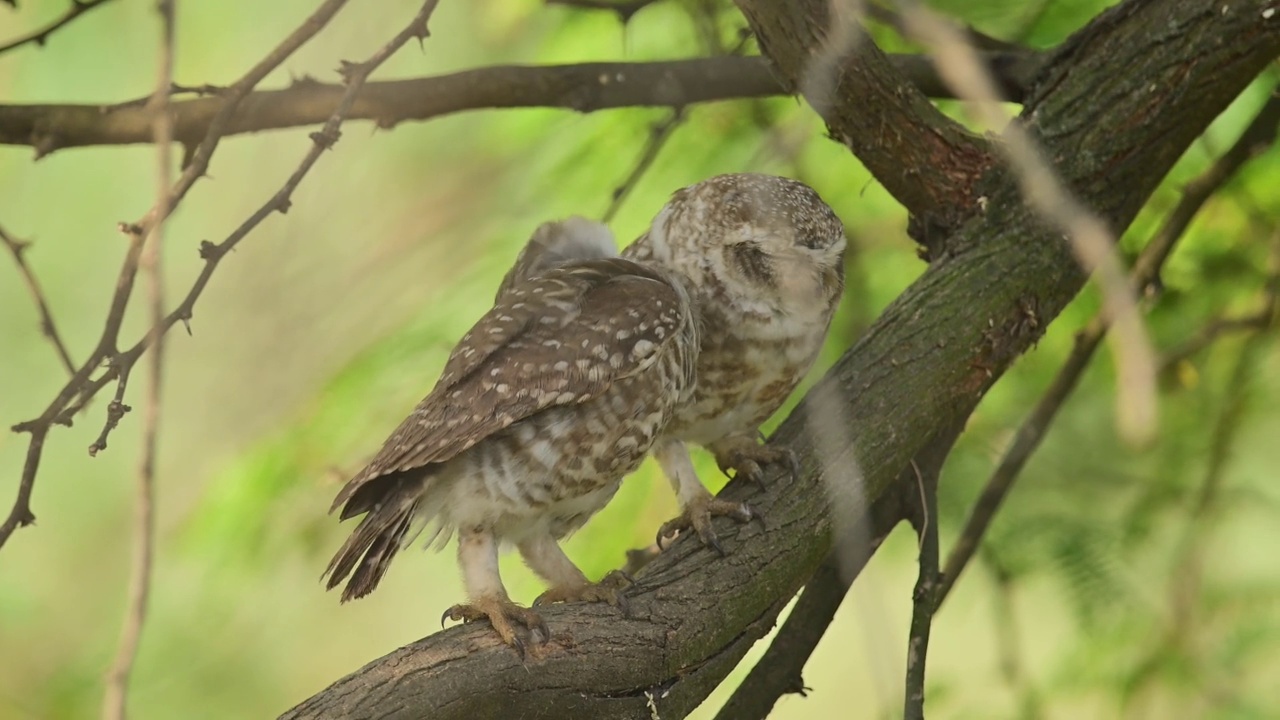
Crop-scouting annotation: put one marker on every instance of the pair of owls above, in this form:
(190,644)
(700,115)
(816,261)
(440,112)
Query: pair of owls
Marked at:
(588,362)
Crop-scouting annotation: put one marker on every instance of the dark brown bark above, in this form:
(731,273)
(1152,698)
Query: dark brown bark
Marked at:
(585,88)
(871,108)
(1123,100)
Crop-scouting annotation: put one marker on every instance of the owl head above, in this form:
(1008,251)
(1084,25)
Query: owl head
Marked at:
(767,244)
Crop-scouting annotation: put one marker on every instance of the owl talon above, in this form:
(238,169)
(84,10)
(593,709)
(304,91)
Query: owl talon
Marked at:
(697,515)
(609,590)
(745,461)
(504,616)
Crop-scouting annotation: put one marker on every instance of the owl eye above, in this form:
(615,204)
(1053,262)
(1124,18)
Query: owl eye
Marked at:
(753,262)
(811,240)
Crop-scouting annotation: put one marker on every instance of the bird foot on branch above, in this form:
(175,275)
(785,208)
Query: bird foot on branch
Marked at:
(697,515)
(746,461)
(505,616)
(609,590)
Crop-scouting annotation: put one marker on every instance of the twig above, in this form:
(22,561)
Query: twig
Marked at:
(923,603)
(17,248)
(1187,568)
(39,37)
(115,698)
(1091,239)
(585,87)
(658,136)
(80,388)
(625,9)
(1146,271)
(116,410)
(1207,335)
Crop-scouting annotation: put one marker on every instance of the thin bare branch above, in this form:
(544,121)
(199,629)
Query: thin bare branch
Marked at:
(1188,567)
(584,88)
(41,36)
(115,698)
(1210,333)
(658,136)
(1146,271)
(17,248)
(923,605)
(778,671)
(77,392)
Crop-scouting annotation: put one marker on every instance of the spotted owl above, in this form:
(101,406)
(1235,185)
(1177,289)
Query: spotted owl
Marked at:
(543,407)
(763,258)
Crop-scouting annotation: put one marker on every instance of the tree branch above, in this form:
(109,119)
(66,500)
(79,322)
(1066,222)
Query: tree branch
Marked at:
(80,388)
(926,362)
(115,699)
(1260,133)
(778,671)
(41,36)
(869,107)
(17,248)
(925,521)
(585,88)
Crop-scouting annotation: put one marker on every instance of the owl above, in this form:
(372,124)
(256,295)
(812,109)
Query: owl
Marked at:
(555,395)
(763,259)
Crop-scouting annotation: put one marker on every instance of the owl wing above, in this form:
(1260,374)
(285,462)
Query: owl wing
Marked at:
(560,338)
(558,243)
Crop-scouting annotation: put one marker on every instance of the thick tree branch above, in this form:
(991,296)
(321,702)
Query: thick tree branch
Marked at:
(41,36)
(869,107)
(584,88)
(1141,83)
(1146,273)
(778,671)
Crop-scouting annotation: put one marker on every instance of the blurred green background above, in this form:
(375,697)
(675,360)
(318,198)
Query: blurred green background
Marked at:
(1102,590)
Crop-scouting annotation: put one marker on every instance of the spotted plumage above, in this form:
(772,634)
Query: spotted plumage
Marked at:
(763,258)
(542,408)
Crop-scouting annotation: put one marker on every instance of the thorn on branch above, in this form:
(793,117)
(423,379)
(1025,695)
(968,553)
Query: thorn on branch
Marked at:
(304,80)
(44,144)
(325,138)
(349,70)
(210,251)
(128,228)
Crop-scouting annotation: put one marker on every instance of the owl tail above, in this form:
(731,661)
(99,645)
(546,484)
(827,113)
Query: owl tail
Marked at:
(375,542)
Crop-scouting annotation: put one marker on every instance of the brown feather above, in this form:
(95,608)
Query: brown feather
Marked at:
(539,347)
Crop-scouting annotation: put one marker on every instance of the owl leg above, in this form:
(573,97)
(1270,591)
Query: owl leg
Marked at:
(567,583)
(478,558)
(745,456)
(696,504)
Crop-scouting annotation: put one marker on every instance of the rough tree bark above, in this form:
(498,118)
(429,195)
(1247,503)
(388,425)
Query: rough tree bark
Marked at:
(1114,107)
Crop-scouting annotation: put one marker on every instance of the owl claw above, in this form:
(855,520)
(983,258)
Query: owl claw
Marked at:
(609,590)
(504,615)
(745,461)
(697,515)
